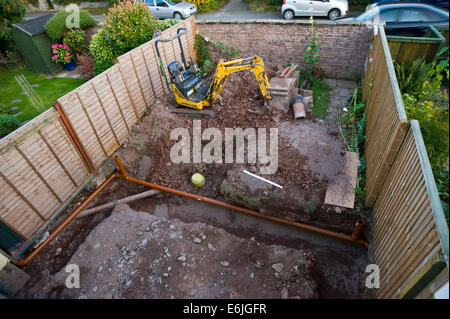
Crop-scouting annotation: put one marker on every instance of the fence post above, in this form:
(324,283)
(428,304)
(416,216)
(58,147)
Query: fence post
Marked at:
(74,138)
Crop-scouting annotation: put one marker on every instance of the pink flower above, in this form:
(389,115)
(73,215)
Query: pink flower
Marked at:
(67,54)
(60,46)
(65,47)
(54,46)
(53,58)
(54,51)
(66,58)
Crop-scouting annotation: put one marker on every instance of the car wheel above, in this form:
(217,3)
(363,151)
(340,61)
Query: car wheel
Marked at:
(334,14)
(288,14)
(177,15)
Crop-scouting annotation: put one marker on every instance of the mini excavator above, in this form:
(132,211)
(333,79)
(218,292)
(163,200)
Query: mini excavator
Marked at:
(191,90)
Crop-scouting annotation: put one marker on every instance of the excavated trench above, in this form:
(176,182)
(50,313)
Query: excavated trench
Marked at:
(310,155)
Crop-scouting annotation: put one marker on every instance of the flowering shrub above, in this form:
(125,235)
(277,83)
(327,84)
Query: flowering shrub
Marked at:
(61,53)
(11,11)
(129,24)
(312,55)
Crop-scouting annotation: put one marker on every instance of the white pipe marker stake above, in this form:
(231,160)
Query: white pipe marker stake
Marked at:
(261,178)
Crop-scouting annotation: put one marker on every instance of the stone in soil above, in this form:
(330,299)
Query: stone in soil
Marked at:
(146,274)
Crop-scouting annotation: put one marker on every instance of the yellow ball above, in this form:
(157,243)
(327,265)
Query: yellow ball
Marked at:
(198,180)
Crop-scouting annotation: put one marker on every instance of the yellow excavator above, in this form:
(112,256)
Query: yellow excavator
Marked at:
(193,91)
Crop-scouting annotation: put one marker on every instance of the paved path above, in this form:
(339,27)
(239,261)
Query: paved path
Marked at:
(235,6)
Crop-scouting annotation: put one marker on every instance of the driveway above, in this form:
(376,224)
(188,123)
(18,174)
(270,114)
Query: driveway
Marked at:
(236,10)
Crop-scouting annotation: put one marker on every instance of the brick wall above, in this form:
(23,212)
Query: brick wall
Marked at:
(343,45)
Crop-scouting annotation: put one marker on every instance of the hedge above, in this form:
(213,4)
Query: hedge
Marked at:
(56,26)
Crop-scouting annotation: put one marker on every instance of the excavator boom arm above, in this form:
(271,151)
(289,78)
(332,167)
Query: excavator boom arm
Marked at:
(225,68)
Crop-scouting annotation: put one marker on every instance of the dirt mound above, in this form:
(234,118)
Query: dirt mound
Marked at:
(137,255)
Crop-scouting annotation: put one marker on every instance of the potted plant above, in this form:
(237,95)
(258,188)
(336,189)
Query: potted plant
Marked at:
(61,54)
(312,55)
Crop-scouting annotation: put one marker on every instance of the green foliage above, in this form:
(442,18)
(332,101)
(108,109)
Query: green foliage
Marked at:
(74,39)
(8,123)
(427,101)
(312,55)
(352,122)
(129,25)
(121,33)
(411,76)
(11,11)
(265,5)
(204,59)
(166,24)
(56,26)
(102,48)
(100,66)
(227,49)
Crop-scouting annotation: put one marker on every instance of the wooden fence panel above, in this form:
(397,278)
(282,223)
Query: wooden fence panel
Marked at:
(404,50)
(40,169)
(102,111)
(410,230)
(386,116)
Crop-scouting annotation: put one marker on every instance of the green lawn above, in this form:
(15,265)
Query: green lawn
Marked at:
(49,90)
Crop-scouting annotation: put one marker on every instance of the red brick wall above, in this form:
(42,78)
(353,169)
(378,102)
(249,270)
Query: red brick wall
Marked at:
(343,46)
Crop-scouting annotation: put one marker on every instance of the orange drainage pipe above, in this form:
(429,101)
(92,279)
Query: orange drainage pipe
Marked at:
(74,137)
(124,175)
(358,228)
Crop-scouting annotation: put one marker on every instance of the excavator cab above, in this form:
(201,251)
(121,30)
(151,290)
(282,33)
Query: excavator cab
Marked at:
(191,90)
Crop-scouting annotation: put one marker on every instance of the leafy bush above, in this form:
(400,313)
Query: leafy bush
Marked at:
(426,100)
(166,24)
(100,66)
(204,59)
(56,26)
(204,6)
(411,76)
(8,123)
(129,25)
(102,48)
(74,39)
(11,11)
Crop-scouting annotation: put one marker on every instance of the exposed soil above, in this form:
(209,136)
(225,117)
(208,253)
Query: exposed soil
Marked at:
(133,254)
(310,156)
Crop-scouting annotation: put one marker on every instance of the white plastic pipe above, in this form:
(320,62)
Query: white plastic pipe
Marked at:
(262,178)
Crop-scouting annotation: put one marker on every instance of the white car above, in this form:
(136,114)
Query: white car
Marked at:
(164,9)
(323,8)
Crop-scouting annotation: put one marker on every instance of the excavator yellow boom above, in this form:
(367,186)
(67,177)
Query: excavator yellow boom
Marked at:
(190,90)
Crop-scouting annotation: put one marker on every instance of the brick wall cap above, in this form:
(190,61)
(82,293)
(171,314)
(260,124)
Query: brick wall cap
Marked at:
(280,22)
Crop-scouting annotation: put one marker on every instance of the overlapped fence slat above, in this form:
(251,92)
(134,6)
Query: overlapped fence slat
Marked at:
(102,111)
(386,117)
(40,169)
(407,220)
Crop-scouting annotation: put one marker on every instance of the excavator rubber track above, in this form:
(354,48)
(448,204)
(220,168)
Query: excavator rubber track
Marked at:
(192,112)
